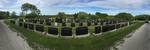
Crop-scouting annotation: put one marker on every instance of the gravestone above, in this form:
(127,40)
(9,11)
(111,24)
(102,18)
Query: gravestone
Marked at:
(40,28)
(53,31)
(81,30)
(66,31)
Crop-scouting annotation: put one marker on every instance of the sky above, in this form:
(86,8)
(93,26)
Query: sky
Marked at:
(52,7)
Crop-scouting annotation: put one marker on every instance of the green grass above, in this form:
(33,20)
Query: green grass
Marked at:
(102,42)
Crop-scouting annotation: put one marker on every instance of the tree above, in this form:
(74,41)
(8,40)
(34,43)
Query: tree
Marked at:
(4,14)
(82,15)
(124,16)
(13,15)
(142,17)
(62,15)
(30,8)
(101,15)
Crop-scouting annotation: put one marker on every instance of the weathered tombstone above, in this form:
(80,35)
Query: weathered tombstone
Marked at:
(81,30)
(53,31)
(66,31)
(40,28)
(98,29)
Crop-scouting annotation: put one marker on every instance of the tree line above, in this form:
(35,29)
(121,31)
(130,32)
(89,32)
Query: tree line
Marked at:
(31,11)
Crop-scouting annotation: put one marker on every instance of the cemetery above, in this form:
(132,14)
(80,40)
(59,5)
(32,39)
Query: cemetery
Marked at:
(69,27)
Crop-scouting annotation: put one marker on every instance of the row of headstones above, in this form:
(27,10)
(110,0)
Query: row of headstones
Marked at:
(68,31)
(57,20)
(72,24)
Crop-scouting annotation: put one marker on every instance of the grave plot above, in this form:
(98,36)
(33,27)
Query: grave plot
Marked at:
(98,29)
(31,26)
(25,25)
(81,30)
(53,31)
(40,28)
(66,31)
(106,28)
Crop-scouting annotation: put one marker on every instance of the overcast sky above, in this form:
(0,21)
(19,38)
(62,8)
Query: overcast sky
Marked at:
(50,7)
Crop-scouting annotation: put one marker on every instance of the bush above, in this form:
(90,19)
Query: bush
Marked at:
(66,31)
(52,30)
(81,30)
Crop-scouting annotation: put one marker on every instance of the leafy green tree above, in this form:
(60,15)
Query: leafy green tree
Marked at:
(30,8)
(13,15)
(4,14)
(62,15)
(142,17)
(124,16)
(101,15)
(82,15)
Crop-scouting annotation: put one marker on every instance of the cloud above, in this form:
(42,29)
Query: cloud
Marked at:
(72,6)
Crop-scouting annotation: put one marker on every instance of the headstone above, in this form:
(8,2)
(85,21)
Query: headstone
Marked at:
(52,30)
(66,31)
(81,30)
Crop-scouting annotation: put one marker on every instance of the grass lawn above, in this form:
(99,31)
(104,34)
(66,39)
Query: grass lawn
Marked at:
(102,42)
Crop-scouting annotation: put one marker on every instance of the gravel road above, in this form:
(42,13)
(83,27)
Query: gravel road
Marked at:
(9,39)
(140,40)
